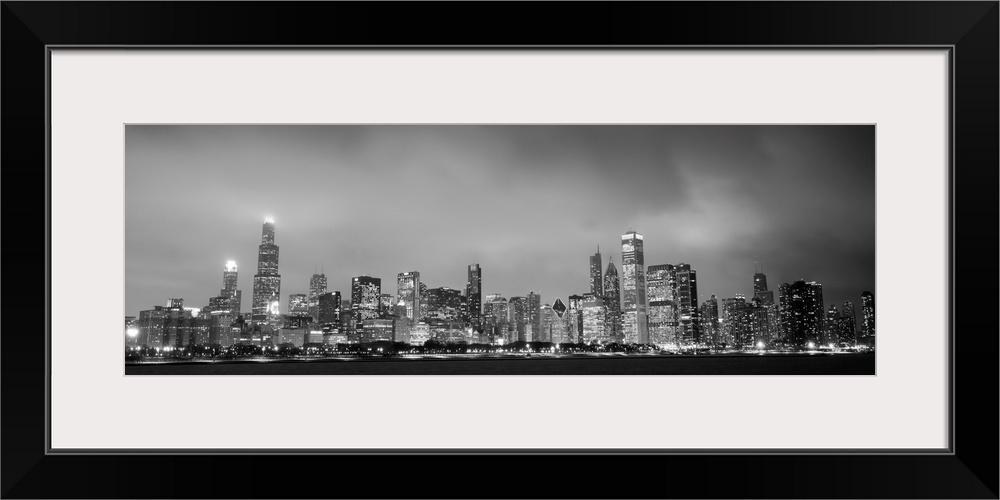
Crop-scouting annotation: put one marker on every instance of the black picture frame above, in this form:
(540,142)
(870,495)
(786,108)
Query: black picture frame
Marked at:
(969,29)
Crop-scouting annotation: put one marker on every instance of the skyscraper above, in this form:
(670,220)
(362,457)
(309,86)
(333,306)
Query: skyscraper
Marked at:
(329,309)
(596,284)
(366,301)
(575,315)
(710,320)
(661,287)
(474,296)
(851,326)
(317,287)
(612,304)
(267,281)
(229,290)
(687,304)
(594,318)
(495,317)
(801,311)
(535,315)
(408,292)
(831,333)
(868,316)
(518,308)
(634,320)
(760,290)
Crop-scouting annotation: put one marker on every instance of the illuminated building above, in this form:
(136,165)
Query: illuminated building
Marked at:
(710,320)
(386,305)
(423,302)
(661,290)
(553,326)
(376,330)
(561,331)
(612,303)
(518,309)
(575,318)
(801,311)
(317,287)
(420,333)
(831,326)
(402,325)
(760,290)
(366,296)
(229,279)
(635,329)
(408,292)
(596,284)
(443,304)
(688,331)
(737,324)
(474,296)
(595,320)
(534,315)
(298,304)
(328,309)
(848,331)
(172,327)
(131,332)
(267,281)
(495,317)
(764,317)
(223,310)
(868,317)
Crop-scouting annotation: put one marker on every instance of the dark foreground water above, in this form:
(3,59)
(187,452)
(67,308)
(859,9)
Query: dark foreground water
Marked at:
(753,364)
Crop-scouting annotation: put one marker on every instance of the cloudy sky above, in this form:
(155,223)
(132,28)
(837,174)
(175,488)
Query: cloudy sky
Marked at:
(529,203)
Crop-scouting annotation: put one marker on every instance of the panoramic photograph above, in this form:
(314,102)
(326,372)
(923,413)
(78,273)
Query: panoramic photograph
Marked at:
(499,249)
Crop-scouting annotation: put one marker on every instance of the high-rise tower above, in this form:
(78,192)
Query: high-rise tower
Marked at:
(634,327)
(868,315)
(760,291)
(229,290)
(267,281)
(612,304)
(801,312)
(366,301)
(317,287)
(474,296)
(688,326)
(661,291)
(596,284)
(408,292)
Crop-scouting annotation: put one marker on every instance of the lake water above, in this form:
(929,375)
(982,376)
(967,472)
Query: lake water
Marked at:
(748,364)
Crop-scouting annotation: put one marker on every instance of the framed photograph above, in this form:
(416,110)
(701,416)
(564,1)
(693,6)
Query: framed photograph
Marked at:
(341,235)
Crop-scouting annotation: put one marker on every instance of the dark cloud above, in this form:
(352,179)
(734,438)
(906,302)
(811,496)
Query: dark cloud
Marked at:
(528,203)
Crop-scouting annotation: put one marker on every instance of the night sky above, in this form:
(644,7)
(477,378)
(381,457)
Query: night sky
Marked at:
(529,203)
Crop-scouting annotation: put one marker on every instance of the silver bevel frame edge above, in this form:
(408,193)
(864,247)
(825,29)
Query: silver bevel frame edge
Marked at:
(949,450)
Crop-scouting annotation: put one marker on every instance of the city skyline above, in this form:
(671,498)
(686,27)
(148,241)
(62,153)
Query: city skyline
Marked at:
(514,273)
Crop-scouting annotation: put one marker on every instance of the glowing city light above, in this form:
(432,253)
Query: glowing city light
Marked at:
(269,220)
(132,331)
(231,266)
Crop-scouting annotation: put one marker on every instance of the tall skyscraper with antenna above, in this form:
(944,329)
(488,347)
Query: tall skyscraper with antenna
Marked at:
(317,287)
(760,291)
(267,281)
